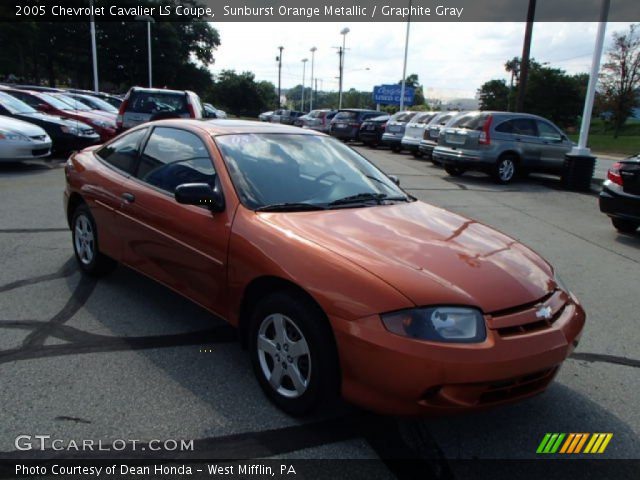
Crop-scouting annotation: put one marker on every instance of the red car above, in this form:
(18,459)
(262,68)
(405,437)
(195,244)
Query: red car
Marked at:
(338,280)
(48,103)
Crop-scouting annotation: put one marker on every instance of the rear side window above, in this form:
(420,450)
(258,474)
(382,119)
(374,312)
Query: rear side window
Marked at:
(403,117)
(518,126)
(147,102)
(345,115)
(423,118)
(123,153)
(172,157)
(471,122)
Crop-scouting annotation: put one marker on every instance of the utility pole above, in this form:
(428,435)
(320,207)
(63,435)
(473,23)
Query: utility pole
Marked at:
(316,90)
(526,51)
(313,56)
(304,65)
(341,51)
(94,54)
(404,65)
(279,59)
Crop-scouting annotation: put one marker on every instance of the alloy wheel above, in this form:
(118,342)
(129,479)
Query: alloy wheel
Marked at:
(506,169)
(284,355)
(84,240)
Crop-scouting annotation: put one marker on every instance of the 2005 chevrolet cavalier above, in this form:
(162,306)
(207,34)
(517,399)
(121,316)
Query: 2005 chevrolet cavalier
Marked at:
(338,280)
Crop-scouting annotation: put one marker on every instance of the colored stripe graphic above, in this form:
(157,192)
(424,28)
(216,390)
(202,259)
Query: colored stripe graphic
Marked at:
(573,443)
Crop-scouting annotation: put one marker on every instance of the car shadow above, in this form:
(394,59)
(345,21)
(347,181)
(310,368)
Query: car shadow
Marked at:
(28,167)
(629,239)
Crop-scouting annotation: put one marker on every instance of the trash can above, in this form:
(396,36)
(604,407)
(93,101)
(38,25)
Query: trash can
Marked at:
(578,172)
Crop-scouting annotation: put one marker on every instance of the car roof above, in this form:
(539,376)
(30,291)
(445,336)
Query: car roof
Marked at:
(158,90)
(218,127)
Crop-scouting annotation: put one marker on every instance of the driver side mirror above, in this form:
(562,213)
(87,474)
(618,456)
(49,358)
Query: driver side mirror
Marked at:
(200,194)
(394,179)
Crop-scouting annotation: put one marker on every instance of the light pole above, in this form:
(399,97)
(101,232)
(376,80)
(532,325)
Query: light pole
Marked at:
(313,56)
(149,19)
(343,32)
(94,54)
(279,59)
(304,65)
(404,65)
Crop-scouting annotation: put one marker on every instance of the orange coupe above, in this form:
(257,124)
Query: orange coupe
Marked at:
(339,282)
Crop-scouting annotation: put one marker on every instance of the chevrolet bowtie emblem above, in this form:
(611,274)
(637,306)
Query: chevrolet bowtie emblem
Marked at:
(544,313)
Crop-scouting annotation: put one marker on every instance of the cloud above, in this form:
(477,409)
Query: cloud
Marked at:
(452,59)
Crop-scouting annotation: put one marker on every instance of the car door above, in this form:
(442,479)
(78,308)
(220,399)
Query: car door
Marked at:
(182,246)
(104,187)
(554,146)
(525,135)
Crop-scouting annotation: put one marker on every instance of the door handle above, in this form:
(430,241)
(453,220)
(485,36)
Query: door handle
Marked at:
(128,197)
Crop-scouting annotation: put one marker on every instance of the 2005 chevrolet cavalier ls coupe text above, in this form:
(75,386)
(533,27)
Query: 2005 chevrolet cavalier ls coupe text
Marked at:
(338,280)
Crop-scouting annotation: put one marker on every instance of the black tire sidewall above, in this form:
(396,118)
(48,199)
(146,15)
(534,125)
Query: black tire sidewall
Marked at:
(316,331)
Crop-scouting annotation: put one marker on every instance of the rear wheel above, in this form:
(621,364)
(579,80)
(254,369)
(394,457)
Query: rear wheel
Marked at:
(505,169)
(417,154)
(453,170)
(625,226)
(85,244)
(293,353)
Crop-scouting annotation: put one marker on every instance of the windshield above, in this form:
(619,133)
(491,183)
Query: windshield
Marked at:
(97,103)
(14,105)
(55,102)
(74,102)
(309,170)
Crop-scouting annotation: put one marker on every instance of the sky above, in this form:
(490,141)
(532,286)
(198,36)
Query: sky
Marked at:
(451,59)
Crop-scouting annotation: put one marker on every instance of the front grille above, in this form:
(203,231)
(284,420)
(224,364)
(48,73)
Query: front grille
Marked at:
(38,138)
(517,387)
(88,131)
(531,327)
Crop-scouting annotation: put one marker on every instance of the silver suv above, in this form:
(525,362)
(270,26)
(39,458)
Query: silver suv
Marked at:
(147,104)
(432,132)
(502,144)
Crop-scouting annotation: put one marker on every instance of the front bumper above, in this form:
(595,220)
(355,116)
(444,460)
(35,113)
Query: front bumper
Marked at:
(24,150)
(618,204)
(391,374)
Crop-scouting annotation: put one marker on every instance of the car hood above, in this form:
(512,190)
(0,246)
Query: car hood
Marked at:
(53,119)
(430,255)
(19,126)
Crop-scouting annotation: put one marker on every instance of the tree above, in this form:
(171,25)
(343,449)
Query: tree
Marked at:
(620,78)
(494,95)
(413,81)
(59,53)
(241,95)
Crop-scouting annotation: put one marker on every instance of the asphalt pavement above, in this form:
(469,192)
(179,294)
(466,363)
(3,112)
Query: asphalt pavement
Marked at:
(124,357)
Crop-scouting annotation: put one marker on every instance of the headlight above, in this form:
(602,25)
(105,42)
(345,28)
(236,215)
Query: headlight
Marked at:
(70,130)
(5,135)
(439,324)
(103,124)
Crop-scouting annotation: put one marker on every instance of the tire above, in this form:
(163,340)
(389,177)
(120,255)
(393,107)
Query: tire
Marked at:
(303,383)
(416,154)
(396,149)
(505,169)
(625,226)
(454,171)
(84,236)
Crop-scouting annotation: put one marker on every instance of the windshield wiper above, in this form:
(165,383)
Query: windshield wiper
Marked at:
(290,207)
(364,197)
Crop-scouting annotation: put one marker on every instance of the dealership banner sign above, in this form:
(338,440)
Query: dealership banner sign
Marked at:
(314,11)
(390,95)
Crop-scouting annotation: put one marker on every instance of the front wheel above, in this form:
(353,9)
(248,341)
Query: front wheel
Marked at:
(85,244)
(625,226)
(453,171)
(293,353)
